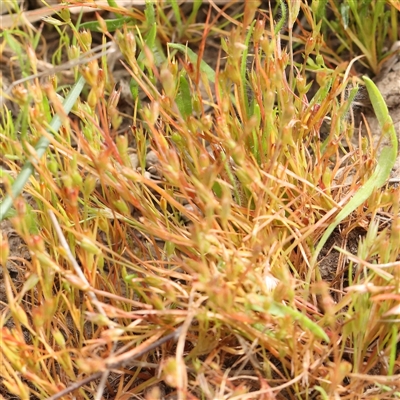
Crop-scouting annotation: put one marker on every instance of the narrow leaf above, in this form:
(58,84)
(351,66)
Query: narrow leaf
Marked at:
(184,98)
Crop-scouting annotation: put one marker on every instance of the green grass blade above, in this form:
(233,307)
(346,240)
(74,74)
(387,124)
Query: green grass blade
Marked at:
(40,148)
(184,98)
(176,10)
(149,12)
(243,67)
(281,22)
(386,161)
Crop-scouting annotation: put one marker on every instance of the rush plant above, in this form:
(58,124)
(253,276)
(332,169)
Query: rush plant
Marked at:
(187,231)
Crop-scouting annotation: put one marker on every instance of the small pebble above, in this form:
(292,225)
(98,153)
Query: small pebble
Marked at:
(151,158)
(134,160)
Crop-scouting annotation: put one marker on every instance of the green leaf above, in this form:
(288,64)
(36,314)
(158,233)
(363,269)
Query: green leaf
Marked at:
(149,12)
(183,98)
(282,21)
(319,9)
(204,67)
(243,67)
(349,101)
(151,42)
(217,189)
(386,162)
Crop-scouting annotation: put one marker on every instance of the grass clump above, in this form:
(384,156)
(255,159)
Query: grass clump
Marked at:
(173,221)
